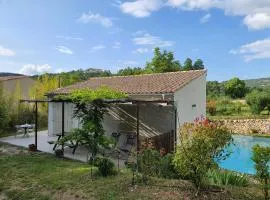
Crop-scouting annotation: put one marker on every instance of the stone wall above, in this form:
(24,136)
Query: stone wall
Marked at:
(248,126)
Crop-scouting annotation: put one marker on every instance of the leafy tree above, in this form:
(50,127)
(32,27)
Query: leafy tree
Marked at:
(214,89)
(198,64)
(261,157)
(162,62)
(201,145)
(235,88)
(187,65)
(130,71)
(258,101)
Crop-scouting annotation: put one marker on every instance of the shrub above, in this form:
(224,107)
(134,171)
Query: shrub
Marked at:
(261,157)
(151,163)
(201,144)
(148,163)
(167,168)
(211,107)
(217,177)
(105,166)
(258,100)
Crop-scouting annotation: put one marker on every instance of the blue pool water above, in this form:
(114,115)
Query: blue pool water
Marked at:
(240,159)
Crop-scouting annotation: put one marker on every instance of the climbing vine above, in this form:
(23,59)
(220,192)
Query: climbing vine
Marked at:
(90,107)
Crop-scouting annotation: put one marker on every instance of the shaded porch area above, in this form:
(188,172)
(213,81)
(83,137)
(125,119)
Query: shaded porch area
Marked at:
(44,146)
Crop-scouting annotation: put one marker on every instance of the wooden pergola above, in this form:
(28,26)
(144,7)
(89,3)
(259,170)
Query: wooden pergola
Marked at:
(109,101)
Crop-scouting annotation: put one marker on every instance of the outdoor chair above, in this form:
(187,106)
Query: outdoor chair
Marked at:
(31,129)
(19,130)
(126,142)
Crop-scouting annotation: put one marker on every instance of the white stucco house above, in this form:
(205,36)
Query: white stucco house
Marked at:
(166,101)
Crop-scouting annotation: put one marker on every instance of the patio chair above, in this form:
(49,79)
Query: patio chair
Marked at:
(19,130)
(125,142)
(31,129)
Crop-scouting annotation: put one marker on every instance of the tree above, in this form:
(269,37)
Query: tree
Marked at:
(235,88)
(258,101)
(201,145)
(188,65)
(261,158)
(162,62)
(130,71)
(198,64)
(214,89)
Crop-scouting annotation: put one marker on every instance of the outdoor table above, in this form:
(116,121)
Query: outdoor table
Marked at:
(25,127)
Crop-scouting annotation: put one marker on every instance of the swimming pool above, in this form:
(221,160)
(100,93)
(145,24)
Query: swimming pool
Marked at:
(240,159)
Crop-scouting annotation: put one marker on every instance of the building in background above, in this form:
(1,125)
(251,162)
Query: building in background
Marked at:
(11,83)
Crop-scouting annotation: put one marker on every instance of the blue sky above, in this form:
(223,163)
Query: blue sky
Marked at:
(231,36)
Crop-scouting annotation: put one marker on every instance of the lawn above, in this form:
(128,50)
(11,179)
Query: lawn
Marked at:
(25,176)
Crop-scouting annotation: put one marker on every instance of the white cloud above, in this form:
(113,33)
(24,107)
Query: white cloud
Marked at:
(141,8)
(255,13)
(33,69)
(141,50)
(97,47)
(69,37)
(117,45)
(65,50)
(256,50)
(257,21)
(147,39)
(95,18)
(6,52)
(205,18)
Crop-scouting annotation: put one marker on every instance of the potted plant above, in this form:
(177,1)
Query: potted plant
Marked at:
(32,147)
(59,153)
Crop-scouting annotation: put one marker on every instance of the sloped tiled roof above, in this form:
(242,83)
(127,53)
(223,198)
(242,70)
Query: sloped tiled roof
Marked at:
(7,78)
(159,83)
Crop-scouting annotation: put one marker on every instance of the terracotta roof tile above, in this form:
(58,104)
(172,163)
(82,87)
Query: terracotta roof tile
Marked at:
(139,84)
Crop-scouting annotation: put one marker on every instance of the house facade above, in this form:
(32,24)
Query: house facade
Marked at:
(11,83)
(183,97)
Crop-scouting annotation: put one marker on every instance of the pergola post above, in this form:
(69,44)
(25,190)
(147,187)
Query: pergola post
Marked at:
(138,127)
(36,124)
(175,128)
(63,123)
(63,119)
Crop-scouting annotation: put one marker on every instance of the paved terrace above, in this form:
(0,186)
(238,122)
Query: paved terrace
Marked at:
(44,146)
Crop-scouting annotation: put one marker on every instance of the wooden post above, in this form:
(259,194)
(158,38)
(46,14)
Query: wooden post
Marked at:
(63,123)
(175,128)
(138,127)
(63,119)
(36,123)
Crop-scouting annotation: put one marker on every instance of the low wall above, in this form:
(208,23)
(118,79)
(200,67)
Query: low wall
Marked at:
(247,126)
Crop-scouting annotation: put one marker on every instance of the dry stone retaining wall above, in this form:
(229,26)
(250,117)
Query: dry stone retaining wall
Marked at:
(248,126)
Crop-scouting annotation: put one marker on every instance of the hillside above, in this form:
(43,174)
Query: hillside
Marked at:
(3,74)
(260,82)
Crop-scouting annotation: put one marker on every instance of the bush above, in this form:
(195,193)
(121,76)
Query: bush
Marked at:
(152,164)
(167,168)
(211,107)
(258,100)
(217,177)
(105,166)
(201,145)
(261,157)
(148,163)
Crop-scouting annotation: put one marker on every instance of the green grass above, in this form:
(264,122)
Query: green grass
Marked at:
(41,176)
